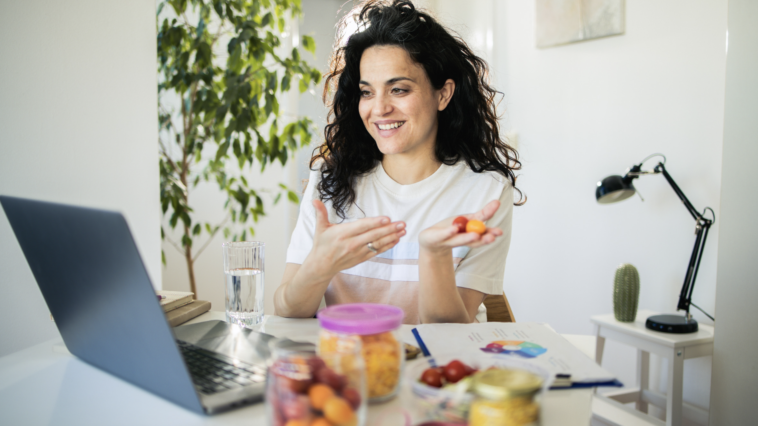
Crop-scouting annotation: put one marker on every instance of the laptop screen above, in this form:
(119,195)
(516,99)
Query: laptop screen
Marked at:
(93,280)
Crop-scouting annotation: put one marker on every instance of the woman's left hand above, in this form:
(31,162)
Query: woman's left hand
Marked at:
(444,235)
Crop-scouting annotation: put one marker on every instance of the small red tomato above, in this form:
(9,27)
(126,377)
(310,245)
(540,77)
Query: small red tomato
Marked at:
(476,226)
(352,397)
(292,385)
(432,377)
(328,377)
(469,370)
(460,222)
(455,371)
(315,364)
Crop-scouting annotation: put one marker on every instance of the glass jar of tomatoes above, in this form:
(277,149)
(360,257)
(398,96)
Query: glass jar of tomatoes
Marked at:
(505,397)
(376,327)
(305,389)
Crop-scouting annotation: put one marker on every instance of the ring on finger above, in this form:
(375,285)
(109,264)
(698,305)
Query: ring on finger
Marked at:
(372,248)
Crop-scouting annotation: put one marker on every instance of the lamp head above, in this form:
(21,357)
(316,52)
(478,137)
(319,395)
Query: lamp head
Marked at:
(616,188)
(612,189)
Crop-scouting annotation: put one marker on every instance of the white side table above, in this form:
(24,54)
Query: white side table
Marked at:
(673,347)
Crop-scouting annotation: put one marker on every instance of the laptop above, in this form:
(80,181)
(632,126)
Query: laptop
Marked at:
(93,280)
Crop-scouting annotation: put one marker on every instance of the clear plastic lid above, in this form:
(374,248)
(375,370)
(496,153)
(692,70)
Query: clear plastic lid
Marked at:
(361,318)
(286,347)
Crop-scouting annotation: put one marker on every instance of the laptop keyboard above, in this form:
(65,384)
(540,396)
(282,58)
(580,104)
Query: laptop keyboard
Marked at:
(210,374)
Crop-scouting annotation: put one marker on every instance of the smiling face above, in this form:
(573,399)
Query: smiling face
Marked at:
(398,104)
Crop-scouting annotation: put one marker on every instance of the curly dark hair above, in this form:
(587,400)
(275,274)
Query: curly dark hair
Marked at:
(468,127)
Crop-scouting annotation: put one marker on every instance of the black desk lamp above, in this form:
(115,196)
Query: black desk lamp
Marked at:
(616,188)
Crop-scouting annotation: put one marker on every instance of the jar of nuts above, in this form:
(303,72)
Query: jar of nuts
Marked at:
(505,397)
(376,327)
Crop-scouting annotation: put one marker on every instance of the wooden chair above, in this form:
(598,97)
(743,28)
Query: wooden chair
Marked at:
(498,308)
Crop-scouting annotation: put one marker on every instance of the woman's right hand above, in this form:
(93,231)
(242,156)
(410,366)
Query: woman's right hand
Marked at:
(337,247)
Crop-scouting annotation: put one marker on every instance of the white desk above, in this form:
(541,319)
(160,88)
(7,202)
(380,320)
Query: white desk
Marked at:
(45,385)
(674,347)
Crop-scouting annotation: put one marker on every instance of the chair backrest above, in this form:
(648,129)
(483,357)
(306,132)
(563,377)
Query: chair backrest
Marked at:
(498,308)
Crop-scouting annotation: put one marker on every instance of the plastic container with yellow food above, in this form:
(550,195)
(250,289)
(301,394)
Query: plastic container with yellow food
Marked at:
(376,327)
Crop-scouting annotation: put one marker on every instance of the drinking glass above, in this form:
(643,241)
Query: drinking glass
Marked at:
(244,270)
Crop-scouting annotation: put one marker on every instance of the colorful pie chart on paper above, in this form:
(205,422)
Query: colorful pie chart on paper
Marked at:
(514,347)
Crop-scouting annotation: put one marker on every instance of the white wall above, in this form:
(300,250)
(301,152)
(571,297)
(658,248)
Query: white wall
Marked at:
(735,366)
(77,125)
(319,19)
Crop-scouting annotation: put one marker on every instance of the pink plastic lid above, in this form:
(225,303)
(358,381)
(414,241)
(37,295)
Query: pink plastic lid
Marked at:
(361,318)
(436,423)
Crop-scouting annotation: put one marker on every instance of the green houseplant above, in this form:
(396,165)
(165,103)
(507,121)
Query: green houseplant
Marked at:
(221,66)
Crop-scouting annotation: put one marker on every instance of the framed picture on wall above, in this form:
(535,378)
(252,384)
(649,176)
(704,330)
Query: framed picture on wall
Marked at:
(568,21)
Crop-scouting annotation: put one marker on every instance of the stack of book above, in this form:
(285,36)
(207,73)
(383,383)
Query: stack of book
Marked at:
(180,307)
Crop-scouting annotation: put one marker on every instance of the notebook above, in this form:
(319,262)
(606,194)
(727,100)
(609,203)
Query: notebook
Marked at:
(173,299)
(187,312)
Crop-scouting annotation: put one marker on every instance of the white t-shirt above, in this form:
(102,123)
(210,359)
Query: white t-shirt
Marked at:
(392,277)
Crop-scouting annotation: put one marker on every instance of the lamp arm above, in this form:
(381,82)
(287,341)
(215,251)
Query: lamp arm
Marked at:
(662,169)
(687,299)
(685,295)
(702,227)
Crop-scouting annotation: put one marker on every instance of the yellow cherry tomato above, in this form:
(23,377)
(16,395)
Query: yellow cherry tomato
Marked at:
(476,226)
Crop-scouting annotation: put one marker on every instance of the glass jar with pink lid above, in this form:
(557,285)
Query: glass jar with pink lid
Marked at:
(375,328)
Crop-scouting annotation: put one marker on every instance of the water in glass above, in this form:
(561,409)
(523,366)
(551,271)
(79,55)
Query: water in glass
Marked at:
(244,296)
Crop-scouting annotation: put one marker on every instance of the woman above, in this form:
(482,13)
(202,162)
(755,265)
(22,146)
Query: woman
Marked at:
(412,142)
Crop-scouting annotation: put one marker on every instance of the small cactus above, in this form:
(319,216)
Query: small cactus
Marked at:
(626,293)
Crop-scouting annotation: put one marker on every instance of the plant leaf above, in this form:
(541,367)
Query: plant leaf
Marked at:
(309,44)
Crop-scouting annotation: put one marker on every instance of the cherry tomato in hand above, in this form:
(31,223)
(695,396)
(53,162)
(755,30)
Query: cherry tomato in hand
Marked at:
(455,371)
(432,377)
(476,226)
(460,222)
